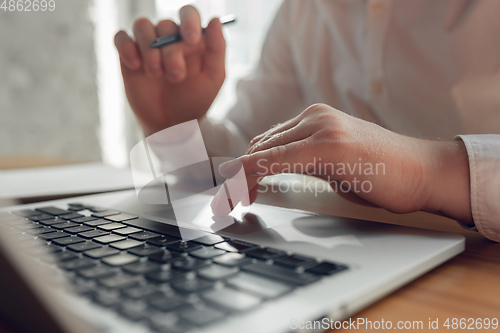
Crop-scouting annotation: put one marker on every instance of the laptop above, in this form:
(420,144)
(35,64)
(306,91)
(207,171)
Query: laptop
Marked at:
(111,263)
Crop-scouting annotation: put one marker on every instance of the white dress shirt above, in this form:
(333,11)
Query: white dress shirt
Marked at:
(423,68)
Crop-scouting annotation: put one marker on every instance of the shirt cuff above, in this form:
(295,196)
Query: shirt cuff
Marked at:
(484,163)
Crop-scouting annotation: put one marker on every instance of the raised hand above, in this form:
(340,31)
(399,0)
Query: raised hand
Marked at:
(178,82)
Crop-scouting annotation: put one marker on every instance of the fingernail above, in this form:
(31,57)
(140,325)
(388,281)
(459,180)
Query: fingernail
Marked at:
(230,168)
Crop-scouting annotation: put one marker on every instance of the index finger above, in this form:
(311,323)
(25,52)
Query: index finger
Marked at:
(190,25)
(278,159)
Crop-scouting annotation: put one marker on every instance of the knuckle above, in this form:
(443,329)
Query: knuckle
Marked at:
(254,140)
(314,108)
(167,27)
(278,153)
(152,58)
(142,23)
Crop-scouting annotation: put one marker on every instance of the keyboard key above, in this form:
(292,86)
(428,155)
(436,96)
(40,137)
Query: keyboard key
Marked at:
(135,311)
(51,221)
(108,239)
(105,213)
(144,235)
(54,235)
(25,212)
(236,246)
(28,238)
(183,246)
(280,273)
(295,261)
(77,264)
(141,292)
(76,205)
(101,252)
(27,226)
(155,226)
(120,217)
(326,268)
(70,216)
(40,217)
(232,259)
(107,298)
(80,247)
(126,231)
(78,229)
(93,233)
(164,276)
(217,272)
(167,304)
(191,285)
(43,249)
(119,281)
(209,239)
(207,253)
(96,209)
(97,272)
(95,223)
(84,219)
(231,300)
(13,223)
(202,317)
(14,220)
(142,267)
(258,285)
(126,244)
(64,225)
(68,241)
(145,250)
(60,256)
(120,259)
(40,231)
(164,257)
(111,226)
(53,211)
(162,240)
(266,254)
(165,324)
(76,209)
(189,263)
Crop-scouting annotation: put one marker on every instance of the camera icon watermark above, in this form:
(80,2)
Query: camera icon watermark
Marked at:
(181,174)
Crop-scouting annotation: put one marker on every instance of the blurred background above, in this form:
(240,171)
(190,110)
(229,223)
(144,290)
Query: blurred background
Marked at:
(61,93)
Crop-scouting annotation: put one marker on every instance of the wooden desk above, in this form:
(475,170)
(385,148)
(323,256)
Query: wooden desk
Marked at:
(467,286)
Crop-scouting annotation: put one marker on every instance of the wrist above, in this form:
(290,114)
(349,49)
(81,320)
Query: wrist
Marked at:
(449,180)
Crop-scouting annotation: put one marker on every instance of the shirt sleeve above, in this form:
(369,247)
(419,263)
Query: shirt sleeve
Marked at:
(269,96)
(484,163)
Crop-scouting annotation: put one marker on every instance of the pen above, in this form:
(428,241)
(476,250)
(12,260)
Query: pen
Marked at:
(167,40)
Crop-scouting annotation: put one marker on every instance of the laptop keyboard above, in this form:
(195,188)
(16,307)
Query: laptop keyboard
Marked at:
(143,270)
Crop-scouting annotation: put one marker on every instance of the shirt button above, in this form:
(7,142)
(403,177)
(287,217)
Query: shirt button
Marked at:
(378,7)
(377,87)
